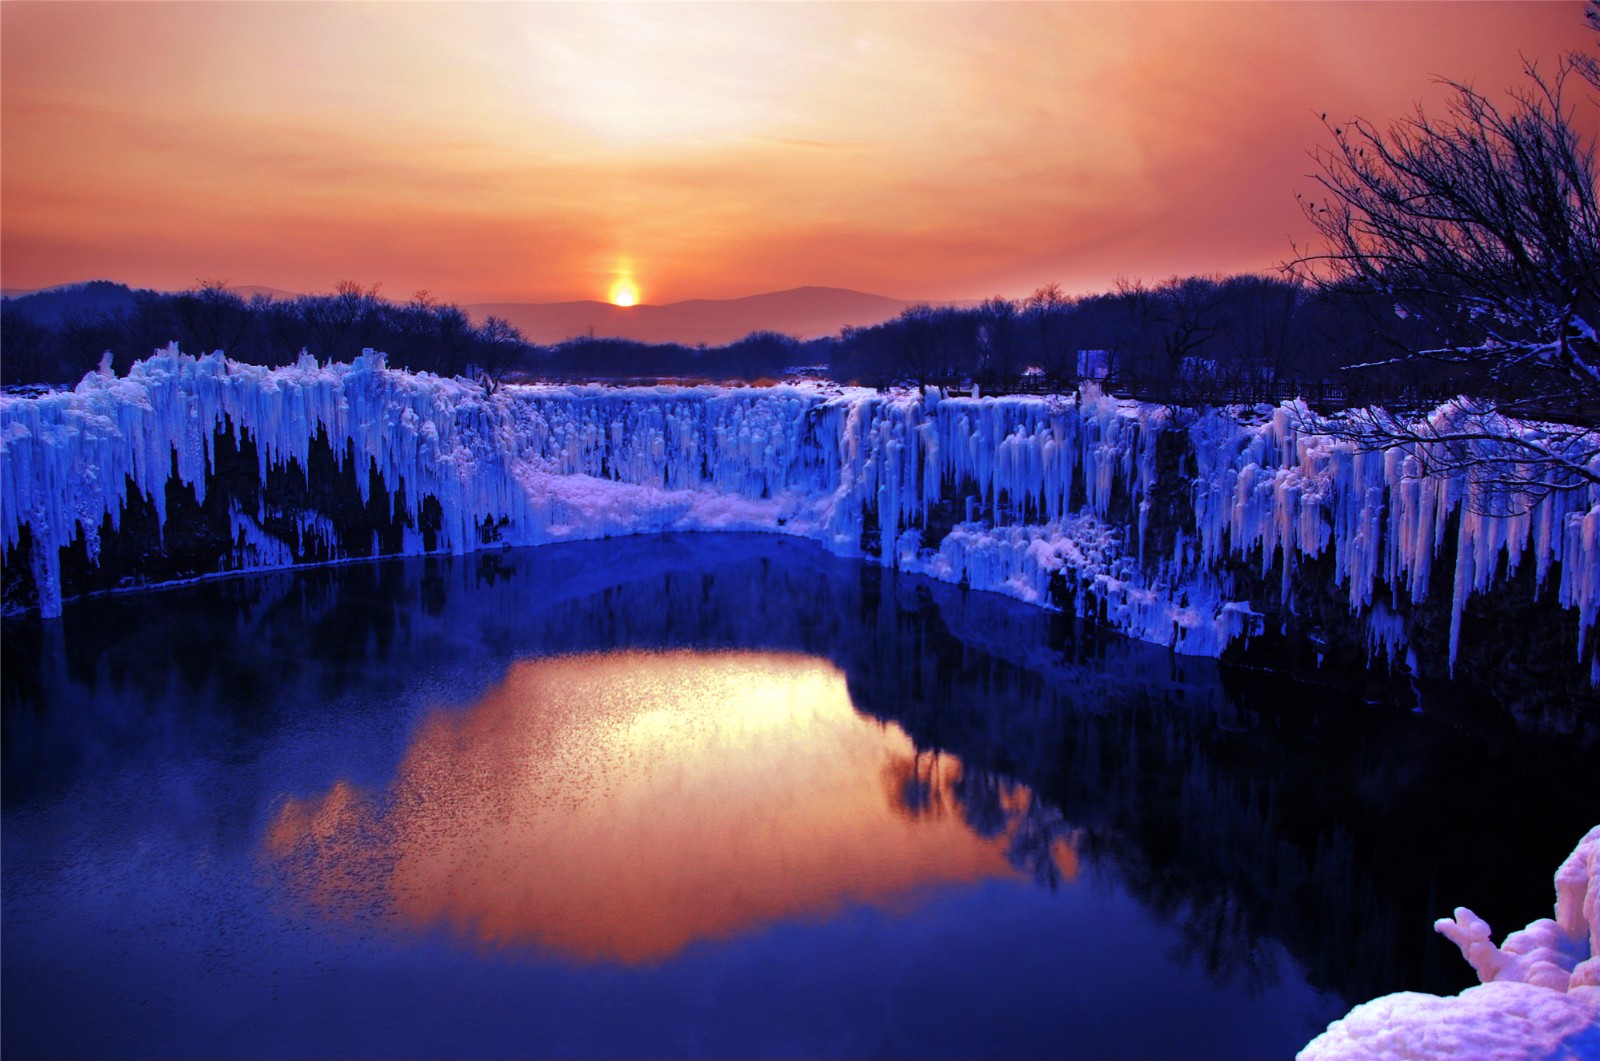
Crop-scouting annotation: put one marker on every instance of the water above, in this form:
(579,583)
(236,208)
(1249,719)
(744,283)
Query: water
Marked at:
(715,795)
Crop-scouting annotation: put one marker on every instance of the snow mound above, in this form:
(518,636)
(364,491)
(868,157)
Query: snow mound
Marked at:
(1501,1020)
(1539,997)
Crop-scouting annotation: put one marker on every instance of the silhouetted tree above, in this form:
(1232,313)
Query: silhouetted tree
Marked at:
(83,338)
(211,318)
(1122,322)
(26,345)
(1263,335)
(1046,309)
(932,341)
(500,347)
(997,339)
(1185,318)
(1486,223)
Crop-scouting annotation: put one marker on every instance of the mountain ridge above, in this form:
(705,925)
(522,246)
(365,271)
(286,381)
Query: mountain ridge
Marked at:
(806,312)
(810,312)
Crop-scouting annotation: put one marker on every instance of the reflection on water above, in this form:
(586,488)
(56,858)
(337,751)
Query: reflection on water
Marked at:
(625,805)
(713,795)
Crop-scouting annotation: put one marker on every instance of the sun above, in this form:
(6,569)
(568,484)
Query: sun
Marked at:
(624,292)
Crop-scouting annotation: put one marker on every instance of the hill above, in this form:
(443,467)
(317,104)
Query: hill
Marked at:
(804,312)
(54,305)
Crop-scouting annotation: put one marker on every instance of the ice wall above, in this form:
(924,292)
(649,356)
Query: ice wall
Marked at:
(1276,489)
(1046,499)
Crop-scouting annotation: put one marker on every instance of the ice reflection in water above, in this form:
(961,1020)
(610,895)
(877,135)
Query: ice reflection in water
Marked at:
(622,806)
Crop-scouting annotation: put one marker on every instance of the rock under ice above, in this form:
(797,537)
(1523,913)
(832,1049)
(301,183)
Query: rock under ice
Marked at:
(1035,488)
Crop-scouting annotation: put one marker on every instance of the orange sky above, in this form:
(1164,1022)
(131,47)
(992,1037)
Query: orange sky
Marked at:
(533,152)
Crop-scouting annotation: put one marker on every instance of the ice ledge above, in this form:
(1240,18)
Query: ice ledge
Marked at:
(1047,496)
(1539,999)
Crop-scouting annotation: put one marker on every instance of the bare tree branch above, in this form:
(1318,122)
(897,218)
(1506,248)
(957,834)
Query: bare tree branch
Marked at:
(1485,224)
(1508,464)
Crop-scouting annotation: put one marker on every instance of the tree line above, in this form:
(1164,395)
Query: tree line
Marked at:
(48,344)
(1181,339)
(1184,339)
(56,339)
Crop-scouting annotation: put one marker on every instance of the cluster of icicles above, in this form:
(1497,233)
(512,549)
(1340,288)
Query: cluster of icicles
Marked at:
(1041,487)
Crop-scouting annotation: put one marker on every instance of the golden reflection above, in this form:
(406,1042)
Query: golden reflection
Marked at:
(621,806)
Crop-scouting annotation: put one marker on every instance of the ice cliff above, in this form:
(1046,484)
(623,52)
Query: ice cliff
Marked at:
(1539,996)
(1046,499)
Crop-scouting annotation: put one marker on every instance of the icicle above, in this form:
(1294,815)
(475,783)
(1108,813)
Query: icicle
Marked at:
(545,464)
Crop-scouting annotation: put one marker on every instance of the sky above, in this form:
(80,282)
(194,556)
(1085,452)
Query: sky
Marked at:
(545,152)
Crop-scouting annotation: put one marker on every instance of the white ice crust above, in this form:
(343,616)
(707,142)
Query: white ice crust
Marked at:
(1539,997)
(547,463)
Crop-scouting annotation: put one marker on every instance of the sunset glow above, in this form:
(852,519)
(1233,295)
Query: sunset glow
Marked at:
(624,292)
(499,151)
(619,807)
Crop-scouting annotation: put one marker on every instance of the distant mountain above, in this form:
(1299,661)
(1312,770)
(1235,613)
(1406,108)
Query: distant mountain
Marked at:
(249,291)
(51,305)
(55,304)
(805,312)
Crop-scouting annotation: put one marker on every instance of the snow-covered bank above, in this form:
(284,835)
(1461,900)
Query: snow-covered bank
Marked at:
(1539,997)
(1052,500)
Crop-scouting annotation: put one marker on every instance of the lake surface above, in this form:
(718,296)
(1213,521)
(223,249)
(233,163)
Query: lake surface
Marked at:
(716,795)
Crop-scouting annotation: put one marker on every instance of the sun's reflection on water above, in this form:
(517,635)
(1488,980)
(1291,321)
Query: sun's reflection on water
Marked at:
(622,806)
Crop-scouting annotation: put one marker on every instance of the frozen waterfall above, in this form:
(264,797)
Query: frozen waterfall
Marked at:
(1003,494)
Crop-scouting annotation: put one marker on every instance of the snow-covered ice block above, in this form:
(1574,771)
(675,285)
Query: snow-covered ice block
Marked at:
(1538,999)
(1548,951)
(1500,1021)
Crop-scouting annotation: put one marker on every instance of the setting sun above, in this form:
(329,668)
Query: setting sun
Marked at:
(624,292)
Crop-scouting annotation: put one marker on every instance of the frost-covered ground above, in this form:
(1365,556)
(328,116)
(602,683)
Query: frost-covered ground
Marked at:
(1042,487)
(1539,998)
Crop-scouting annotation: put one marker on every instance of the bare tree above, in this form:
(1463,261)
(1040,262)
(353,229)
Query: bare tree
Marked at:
(1048,307)
(1588,66)
(996,338)
(1186,316)
(337,321)
(1262,328)
(213,317)
(1128,313)
(1485,223)
(917,355)
(501,346)
(27,347)
(1508,464)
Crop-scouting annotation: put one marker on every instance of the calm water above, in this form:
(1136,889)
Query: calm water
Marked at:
(715,795)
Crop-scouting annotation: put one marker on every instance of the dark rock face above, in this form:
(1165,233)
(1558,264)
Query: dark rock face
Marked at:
(1520,653)
(1171,497)
(314,514)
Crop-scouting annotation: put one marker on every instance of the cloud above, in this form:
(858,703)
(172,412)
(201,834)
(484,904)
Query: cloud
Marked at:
(520,151)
